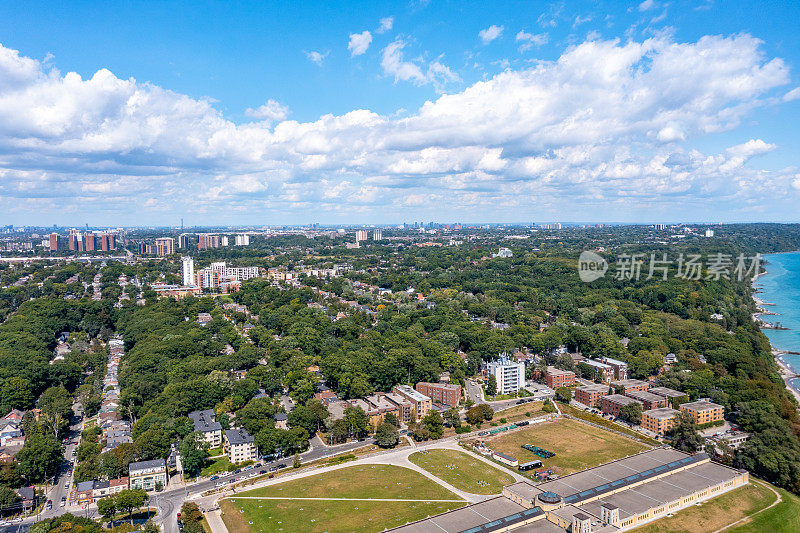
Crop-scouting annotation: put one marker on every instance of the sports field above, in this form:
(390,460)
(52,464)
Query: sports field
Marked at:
(729,508)
(577,445)
(411,496)
(462,471)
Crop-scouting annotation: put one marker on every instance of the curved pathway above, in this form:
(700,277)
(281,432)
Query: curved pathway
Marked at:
(778,500)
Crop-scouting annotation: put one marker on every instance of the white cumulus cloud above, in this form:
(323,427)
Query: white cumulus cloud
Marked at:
(271,111)
(386,25)
(317,57)
(359,42)
(529,40)
(490,34)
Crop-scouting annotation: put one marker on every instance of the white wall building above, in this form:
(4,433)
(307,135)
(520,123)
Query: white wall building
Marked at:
(510,375)
(377,234)
(188,271)
(361,235)
(243,240)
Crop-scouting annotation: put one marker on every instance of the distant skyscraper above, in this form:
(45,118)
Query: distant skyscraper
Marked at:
(361,235)
(90,242)
(243,240)
(377,235)
(53,242)
(188,270)
(165,246)
(224,240)
(183,240)
(709,233)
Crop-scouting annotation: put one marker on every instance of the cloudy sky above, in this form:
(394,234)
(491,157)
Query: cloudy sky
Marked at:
(384,112)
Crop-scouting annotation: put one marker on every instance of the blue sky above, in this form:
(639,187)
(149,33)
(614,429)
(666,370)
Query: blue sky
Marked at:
(165,130)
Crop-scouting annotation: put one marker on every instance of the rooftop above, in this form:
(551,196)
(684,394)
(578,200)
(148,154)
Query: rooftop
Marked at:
(701,406)
(661,412)
(667,392)
(629,383)
(147,465)
(238,436)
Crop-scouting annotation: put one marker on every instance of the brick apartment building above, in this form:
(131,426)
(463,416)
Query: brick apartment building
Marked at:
(648,399)
(631,385)
(442,393)
(590,394)
(555,377)
(612,403)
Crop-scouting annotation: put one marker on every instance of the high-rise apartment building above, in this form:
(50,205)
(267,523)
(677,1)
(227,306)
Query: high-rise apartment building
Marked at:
(510,375)
(361,235)
(165,246)
(224,240)
(207,240)
(377,234)
(53,242)
(108,242)
(90,242)
(183,240)
(243,240)
(188,270)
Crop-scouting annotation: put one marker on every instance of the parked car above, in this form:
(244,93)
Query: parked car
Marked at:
(282,465)
(215,476)
(49,505)
(262,471)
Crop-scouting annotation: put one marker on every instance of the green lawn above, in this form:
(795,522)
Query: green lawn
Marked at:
(244,516)
(361,481)
(783,518)
(462,471)
(518,412)
(215,466)
(577,446)
(719,512)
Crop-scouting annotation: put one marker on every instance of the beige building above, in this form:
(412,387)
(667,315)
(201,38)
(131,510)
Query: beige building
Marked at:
(165,246)
(660,420)
(704,412)
(240,446)
(420,403)
(148,475)
(207,427)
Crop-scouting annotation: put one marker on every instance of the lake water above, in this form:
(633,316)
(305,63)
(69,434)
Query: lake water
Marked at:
(781,286)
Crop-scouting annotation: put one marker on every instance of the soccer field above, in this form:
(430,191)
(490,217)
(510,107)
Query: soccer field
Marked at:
(577,446)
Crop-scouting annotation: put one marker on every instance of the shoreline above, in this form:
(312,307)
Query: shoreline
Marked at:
(786,371)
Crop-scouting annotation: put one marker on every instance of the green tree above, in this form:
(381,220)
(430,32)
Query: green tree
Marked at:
(433,423)
(39,457)
(387,435)
(357,421)
(564,394)
(684,434)
(631,413)
(194,451)
(491,385)
(107,507)
(452,417)
(391,418)
(130,499)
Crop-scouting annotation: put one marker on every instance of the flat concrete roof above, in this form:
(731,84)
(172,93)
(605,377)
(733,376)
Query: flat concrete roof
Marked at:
(619,398)
(629,382)
(661,412)
(594,387)
(465,518)
(646,396)
(667,392)
(701,406)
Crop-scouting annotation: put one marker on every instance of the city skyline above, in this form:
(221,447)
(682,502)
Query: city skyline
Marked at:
(381,113)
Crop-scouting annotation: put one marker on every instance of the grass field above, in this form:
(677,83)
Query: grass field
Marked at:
(518,412)
(576,445)
(783,518)
(362,481)
(324,516)
(722,511)
(462,471)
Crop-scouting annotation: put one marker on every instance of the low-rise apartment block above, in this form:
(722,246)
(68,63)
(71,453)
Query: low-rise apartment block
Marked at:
(441,393)
(612,403)
(602,371)
(240,446)
(555,377)
(704,411)
(420,403)
(660,420)
(404,407)
(207,427)
(669,394)
(590,394)
(620,368)
(631,385)
(648,399)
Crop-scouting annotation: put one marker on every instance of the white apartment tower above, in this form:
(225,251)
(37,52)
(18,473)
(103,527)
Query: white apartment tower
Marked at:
(243,240)
(188,271)
(510,375)
(377,234)
(361,235)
